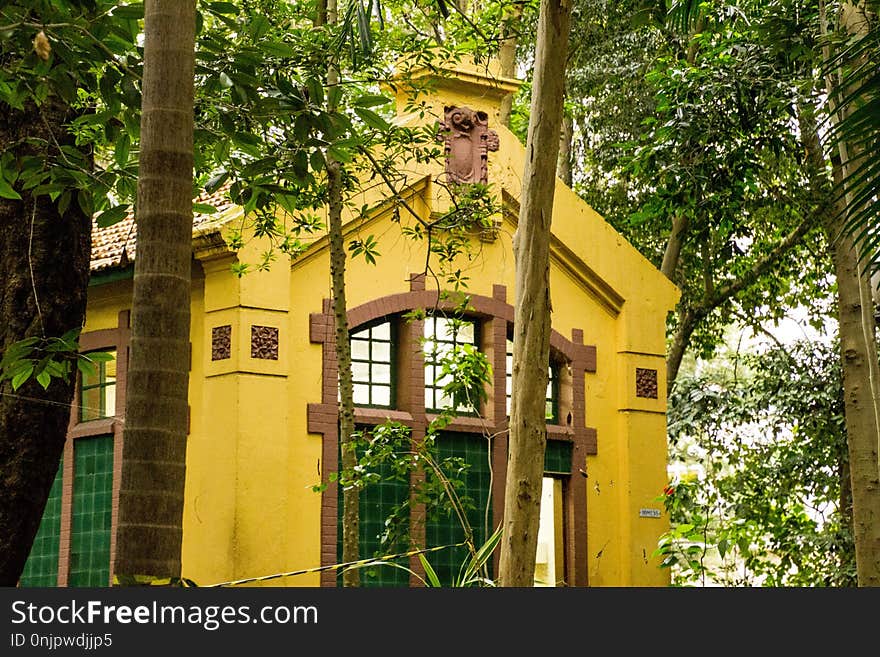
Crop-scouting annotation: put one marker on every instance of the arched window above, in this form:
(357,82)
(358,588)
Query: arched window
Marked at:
(398,347)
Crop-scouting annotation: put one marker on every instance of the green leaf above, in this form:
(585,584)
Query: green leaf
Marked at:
(6,191)
(99,356)
(203,208)
(430,573)
(44,378)
(85,367)
(120,153)
(316,91)
(22,376)
(278,49)
(372,119)
(339,153)
(370,100)
(223,7)
(214,183)
(134,11)
(112,216)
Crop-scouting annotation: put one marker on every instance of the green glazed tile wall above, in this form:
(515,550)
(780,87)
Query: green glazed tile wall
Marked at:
(446,529)
(92,507)
(41,568)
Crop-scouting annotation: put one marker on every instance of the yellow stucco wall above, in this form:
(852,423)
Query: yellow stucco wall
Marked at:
(250,510)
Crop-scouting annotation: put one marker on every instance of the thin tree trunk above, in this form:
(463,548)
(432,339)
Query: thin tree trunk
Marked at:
(531,336)
(563,162)
(154,448)
(687,322)
(350,497)
(858,339)
(44,273)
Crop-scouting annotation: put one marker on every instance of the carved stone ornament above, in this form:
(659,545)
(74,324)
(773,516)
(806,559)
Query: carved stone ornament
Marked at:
(467,140)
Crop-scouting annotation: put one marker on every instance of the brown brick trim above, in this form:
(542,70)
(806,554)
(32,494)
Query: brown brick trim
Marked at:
(119,339)
(498,314)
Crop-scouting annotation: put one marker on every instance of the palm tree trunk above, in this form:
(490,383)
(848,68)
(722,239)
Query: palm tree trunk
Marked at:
(149,534)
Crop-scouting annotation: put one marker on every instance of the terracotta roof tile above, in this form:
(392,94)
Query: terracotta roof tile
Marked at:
(114,246)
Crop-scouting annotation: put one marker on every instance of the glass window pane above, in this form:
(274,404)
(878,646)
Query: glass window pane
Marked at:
(110,366)
(382,331)
(382,395)
(361,393)
(92,379)
(381,374)
(110,400)
(381,352)
(464,333)
(360,349)
(442,328)
(90,404)
(360,371)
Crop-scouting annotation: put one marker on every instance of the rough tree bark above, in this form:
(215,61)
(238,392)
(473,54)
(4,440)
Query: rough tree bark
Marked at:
(563,163)
(149,533)
(44,274)
(531,331)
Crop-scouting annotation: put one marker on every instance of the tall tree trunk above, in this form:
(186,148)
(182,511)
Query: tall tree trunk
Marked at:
(857,349)
(350,497)
(44,274)
(154,447)
(531,331)
(858,338)
(563,162)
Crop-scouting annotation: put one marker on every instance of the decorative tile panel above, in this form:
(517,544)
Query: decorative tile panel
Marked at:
(646,383)
(264,342)
(221,342)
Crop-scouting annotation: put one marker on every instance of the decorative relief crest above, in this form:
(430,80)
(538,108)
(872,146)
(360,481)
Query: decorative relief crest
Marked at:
(221,342)
(467,140)
(264,342)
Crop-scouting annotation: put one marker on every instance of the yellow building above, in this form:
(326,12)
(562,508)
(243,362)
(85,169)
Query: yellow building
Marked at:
(263,390)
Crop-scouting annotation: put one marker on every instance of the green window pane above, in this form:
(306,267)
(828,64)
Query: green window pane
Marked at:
(557,457)
(376,503)
(41,568)
(444,528)
(92,508)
